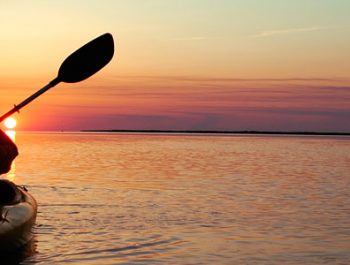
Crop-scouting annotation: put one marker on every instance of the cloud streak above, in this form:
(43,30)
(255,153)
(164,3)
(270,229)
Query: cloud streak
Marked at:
(270,33)
(185,103)
(189,38)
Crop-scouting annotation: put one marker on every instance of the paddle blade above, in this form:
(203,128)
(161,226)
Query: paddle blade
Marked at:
(87,60)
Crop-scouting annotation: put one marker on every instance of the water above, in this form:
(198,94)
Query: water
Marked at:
(180,199)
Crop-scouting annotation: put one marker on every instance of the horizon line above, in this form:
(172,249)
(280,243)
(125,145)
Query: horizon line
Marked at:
(262,132)
(221,132)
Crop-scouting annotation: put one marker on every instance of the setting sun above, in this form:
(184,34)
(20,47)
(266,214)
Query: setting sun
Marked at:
(10,123)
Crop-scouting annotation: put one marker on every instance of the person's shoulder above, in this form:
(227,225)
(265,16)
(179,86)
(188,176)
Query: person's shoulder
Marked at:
(5,139)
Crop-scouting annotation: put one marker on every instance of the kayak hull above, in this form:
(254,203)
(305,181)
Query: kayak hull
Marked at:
(16,221)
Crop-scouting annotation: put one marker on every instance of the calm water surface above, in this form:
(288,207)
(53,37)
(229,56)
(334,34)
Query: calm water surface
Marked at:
(177,199)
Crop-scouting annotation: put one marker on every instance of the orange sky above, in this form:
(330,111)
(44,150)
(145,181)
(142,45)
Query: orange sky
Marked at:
(217,65)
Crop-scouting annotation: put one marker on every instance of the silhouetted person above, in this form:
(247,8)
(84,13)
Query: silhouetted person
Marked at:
(8,152)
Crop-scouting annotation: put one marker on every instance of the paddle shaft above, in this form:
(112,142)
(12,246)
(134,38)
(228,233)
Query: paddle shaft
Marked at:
(16,108)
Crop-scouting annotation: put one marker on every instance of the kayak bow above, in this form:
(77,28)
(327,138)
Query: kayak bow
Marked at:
(18,211)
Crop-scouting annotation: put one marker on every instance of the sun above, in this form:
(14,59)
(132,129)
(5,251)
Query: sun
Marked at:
(10,123)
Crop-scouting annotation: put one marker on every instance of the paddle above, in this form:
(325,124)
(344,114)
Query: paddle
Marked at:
(78,66)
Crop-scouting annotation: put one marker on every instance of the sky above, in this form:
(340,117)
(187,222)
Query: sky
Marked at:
(280,65)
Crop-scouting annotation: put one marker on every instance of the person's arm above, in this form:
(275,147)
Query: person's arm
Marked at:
(8,152)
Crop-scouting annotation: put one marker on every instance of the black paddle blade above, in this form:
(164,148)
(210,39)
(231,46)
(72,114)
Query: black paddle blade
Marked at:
(87,60)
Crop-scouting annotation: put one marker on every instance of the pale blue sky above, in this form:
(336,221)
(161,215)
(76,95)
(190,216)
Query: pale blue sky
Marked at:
(223,38)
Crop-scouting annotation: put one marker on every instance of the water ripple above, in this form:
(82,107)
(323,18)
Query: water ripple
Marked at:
(138,199)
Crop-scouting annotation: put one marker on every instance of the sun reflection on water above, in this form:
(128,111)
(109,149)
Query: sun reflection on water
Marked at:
(11,134)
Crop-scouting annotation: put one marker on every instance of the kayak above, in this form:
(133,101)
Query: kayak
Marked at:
(18,211)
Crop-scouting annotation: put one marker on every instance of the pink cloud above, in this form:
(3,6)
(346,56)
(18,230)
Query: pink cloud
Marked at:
(175,103)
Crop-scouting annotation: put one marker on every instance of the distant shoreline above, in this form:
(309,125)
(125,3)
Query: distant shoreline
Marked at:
(222,132)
